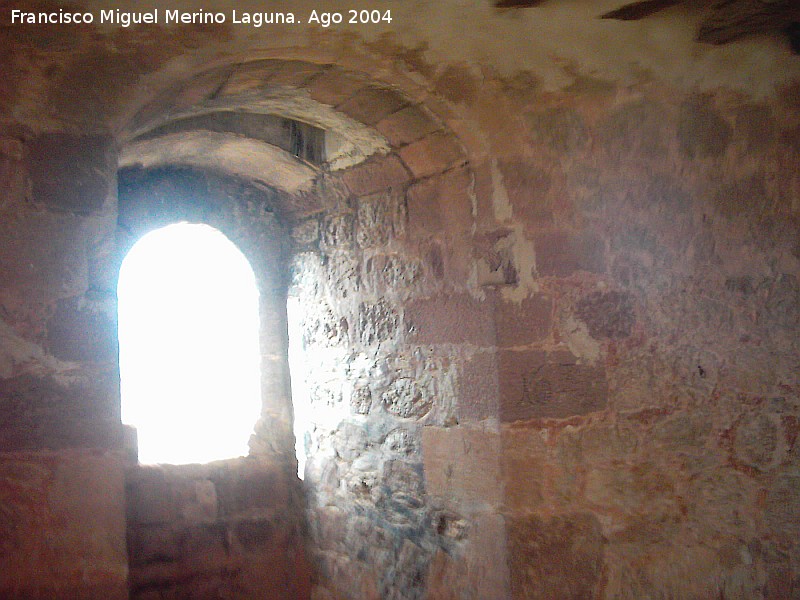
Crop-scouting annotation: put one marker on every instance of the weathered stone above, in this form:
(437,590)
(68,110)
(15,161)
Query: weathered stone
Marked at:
(337,232)
(525,463)
(333,86)
(407,125)
(746,197)
(432,154)
(392,272)
(702,131)
(496,263)
(521,324)
(371,104)
(256,534)
(528,188)
(636,129)
(441,205)
(561,129)
(577,541)
(376,217)
(82,330)
(451,319)
(251,489)
(478,388)
(755,123)
(44,253)
(562,253)
(71,173)
(536,385)
(377,322)
(406,399)
(151,499)
(457,84)
(462,466)
(607,314)
(376,175)
(756,440)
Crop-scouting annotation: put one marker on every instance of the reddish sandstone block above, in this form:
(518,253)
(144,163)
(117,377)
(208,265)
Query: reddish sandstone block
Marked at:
(478,388)
(407,125)
(375,175)
(333,86)
(561,253)
(249,76)
(71,172)
(607,314)
(432,154)
(520,324)
(441,204)
(451,319)
(371,104)
(525,460)
(461,466)
(559,558)
(536,385)
(150,498)
(248,488)
(77,332)
(294,73)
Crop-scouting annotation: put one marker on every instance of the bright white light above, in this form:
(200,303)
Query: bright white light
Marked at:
(189,345)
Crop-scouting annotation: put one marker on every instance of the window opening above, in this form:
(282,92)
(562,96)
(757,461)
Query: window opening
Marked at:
(189,345)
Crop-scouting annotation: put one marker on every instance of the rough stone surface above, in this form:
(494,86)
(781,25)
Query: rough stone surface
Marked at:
(71,173)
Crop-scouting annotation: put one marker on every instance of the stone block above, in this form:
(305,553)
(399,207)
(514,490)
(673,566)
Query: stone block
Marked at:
(82,331)
(756,440)
(702,131)
(562,253)
(44,253)
(462,466)
(560,557)
(371,104)
(432,154)
(377,322)
(257,534)
(376,174)
(250,488)
(380,217)
(561,129)
(407,125)
(607,314)
(63,528)
(150,498)
(333,86)
(197,500)
(249,76)
(150,544)
(71,172)
(528,187)
(457,83)
(534,384)
(478,388)
(523,323)
(294,73)
(525,466)
(441,205)
(407,399)
(451,319)
(494,251)
(44,413)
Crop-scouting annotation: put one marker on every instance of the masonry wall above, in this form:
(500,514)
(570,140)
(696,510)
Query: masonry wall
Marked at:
(569,370)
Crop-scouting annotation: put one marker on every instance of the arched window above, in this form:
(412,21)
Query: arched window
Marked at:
(189,345)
